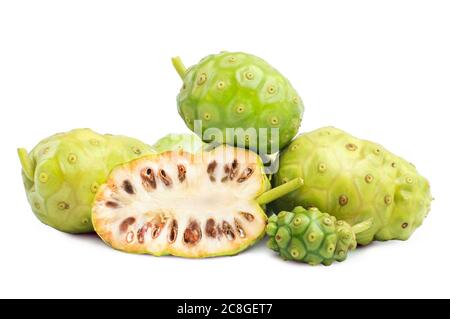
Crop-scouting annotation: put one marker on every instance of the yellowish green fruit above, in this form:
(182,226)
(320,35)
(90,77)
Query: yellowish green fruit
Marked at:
(63,173)
(354,180)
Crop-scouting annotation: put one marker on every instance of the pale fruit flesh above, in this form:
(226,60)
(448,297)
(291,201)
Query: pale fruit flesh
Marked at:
(182,204)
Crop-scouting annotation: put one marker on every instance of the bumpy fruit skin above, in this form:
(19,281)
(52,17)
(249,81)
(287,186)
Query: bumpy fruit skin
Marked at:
(63,173)
(240,90)
(353,180)
(190,143)
(310,236)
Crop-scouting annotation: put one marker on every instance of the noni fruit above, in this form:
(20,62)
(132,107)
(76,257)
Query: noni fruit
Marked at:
(63,173)
(190,143)
(242,93)
(190,205)
(354,180)
(311,236)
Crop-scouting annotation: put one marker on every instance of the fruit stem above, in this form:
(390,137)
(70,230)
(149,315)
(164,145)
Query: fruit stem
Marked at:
(363,226)
(179,66)
(27,164)
(279,191)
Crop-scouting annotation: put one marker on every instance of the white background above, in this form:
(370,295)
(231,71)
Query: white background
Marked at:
(377,69)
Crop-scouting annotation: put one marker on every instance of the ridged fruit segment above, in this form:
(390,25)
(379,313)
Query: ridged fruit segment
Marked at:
(63,173)
(240,90)
(311,236)
(190,205)
(354,180)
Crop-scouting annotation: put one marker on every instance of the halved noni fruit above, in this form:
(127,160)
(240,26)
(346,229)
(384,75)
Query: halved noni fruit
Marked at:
(202,205)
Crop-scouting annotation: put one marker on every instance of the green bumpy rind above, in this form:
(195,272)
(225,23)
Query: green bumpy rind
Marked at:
(310,236)
(353,180)
(63,172)
(190,143)
(239,90)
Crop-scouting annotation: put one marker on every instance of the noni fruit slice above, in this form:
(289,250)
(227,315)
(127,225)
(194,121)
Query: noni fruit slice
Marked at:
(190,143)
(354,180)
(311,236)
(242,93)
(190,205)
(63,172)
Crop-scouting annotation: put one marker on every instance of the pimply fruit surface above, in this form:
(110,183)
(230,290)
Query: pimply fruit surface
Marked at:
(310,236)
(240,90)
(190,143)
(190,205)
(353,180)
(63,173)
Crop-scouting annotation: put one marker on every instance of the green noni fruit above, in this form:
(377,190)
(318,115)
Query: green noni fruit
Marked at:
(240,91)
(190,143)
(63,172)
(311,236)
(354,180)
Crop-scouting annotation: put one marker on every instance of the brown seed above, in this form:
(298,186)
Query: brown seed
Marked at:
(226,170)
(228,230)
(249,217)
(141,232)
(111,204)
(157,228)
(193,233)
(239,228)
(245,175)
(230,171)
(130,237)
(210,228)
(219,230)
(173,231)
(210,170)
(148,179)
(181,172)
(125,223)
(164,177)
(234,169)
(343,200)
(128,187)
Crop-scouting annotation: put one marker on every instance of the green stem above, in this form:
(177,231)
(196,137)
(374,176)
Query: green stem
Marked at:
(363,226)
(279,191)
(179,66)
(27,164)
